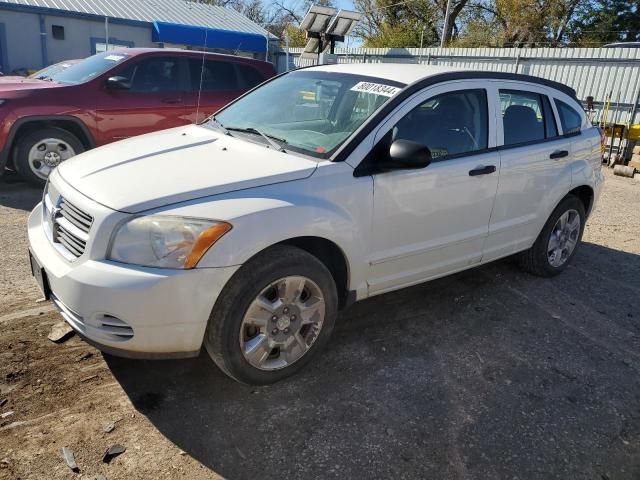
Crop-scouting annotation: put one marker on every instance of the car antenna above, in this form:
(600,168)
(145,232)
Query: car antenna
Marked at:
(206,32)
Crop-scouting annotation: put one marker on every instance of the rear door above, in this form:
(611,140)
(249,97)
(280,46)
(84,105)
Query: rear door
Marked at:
(154,101)
(535,167)
(212,84)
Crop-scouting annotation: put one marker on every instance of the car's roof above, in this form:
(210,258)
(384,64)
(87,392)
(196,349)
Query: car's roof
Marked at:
(412,73)
(140,51)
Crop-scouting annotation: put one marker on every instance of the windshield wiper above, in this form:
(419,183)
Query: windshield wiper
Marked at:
(218,125)
(275,142)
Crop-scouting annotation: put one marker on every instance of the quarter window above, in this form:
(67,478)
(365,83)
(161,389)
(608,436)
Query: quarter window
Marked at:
(526,117)
(216,75)
(570,119)
(453,123)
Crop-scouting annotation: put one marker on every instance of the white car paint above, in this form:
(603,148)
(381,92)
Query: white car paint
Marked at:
(395,228)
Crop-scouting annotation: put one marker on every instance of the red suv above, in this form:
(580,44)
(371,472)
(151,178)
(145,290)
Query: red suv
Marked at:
(111,96)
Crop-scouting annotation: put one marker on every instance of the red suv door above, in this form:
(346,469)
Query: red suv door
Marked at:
(154,99)
(220,85)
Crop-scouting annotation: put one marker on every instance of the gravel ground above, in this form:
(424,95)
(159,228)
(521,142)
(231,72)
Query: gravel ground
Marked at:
(490,373)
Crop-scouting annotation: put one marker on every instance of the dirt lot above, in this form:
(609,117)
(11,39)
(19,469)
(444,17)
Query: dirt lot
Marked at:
(490,373)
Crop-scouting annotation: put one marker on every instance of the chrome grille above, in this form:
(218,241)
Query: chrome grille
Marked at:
(68,224)
(76,216)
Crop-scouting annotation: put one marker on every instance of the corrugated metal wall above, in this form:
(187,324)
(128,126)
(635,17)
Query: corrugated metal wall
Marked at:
(599,72)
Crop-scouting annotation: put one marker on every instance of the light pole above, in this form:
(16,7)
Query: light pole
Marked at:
(443,42)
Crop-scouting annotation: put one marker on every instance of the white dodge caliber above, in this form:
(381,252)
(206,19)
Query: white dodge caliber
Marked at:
(324,186)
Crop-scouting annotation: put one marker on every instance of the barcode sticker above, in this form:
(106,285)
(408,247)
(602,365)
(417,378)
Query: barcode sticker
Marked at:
(376,89)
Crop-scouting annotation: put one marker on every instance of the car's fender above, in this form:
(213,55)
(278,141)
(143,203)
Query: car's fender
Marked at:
(331,204)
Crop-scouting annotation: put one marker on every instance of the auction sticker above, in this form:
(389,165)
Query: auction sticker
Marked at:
(376,89)
(114,58)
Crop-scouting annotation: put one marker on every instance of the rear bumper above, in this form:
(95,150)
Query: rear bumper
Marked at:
(126,310)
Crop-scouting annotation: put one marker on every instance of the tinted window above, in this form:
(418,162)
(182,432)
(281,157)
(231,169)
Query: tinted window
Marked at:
(154,74)
(524,117)
(249,76)
(570,119)
(216,75)
(449,124)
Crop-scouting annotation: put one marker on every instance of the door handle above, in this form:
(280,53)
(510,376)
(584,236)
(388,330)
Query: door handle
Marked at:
(172,101)
(559,154)
(482,170)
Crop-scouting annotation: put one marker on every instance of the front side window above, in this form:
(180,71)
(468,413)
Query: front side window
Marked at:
(90,68)
(453,123)
(310,112)
(526,117)
(153,74)
(215,75)
(570,119)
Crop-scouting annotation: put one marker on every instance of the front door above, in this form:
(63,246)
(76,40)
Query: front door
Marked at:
(434,221)
(154,101)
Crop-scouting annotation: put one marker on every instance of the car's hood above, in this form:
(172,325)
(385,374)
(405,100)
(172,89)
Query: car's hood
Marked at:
(176,165)
(8,85)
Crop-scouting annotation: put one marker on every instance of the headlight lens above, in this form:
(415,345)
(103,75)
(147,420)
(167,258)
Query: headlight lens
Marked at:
(165,241)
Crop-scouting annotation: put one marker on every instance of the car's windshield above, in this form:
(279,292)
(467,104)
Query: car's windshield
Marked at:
(51,70)
(89,68)
(311,112)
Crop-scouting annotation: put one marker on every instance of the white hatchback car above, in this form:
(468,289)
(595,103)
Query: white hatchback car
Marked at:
(321,187)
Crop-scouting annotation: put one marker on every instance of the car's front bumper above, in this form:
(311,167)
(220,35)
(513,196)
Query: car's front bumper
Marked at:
(128,310)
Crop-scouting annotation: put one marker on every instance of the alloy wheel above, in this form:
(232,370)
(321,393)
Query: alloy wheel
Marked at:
(282,323)
(564,238)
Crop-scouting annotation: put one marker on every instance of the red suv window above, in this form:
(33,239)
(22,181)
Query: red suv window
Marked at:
(249,76)
(154,74)
(216,75)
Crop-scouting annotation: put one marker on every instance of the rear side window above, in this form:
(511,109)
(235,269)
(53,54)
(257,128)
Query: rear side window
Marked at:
(526,117)
(570,119)
(453,123)
(249,76)
(216,75)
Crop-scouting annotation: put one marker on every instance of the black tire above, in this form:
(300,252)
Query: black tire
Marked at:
(222,339)
(536,260)
(26,142)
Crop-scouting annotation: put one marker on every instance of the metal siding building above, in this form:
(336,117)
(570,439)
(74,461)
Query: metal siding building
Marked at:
(27,29)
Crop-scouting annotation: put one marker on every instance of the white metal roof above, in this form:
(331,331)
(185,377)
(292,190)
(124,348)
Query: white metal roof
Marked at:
(396,72)
(184,12)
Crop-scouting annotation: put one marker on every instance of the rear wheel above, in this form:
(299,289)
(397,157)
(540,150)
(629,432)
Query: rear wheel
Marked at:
(273,317)
(42,150)
(557,243)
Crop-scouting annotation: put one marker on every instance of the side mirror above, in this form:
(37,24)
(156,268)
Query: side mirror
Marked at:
(117,83)
(408,154)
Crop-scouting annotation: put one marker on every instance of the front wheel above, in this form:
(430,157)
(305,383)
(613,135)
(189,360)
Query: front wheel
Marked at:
(559,240)
(273,317)
(42,150)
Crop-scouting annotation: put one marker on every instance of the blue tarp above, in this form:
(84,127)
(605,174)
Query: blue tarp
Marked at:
(195,36)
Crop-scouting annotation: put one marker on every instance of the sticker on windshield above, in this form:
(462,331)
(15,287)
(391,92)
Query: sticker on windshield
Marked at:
(375,88)
(114,58)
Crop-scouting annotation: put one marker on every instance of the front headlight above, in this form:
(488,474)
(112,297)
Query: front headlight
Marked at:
(165,241)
